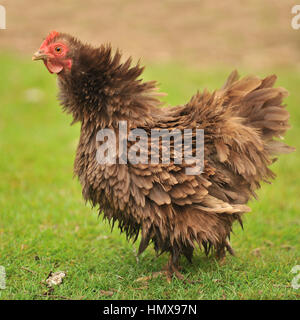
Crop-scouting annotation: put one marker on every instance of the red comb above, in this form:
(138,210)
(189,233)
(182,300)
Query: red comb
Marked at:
(52,35)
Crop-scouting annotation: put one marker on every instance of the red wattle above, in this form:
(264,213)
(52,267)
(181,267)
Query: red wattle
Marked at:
(53,67)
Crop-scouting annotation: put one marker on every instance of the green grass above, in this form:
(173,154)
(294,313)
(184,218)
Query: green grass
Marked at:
(46,226)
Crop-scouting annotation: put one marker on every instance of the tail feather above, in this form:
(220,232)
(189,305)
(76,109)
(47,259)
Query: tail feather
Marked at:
(260,106)
(245,136)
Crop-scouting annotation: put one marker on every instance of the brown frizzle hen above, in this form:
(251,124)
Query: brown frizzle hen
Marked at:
(174,210)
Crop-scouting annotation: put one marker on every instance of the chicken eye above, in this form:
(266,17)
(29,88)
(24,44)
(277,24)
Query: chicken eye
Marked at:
(58,49)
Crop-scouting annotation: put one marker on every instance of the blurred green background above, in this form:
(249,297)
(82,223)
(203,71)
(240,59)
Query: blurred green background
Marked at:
(187,46)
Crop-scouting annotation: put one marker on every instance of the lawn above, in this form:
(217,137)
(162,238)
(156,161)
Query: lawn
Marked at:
(46,226)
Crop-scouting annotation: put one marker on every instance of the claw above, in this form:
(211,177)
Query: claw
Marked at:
(173,269)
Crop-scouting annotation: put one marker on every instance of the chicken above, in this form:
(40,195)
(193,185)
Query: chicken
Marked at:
(174,210)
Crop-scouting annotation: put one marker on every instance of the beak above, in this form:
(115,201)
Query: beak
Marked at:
(39,55)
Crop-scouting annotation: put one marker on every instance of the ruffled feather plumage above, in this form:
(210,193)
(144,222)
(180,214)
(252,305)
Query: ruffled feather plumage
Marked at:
(174,211)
